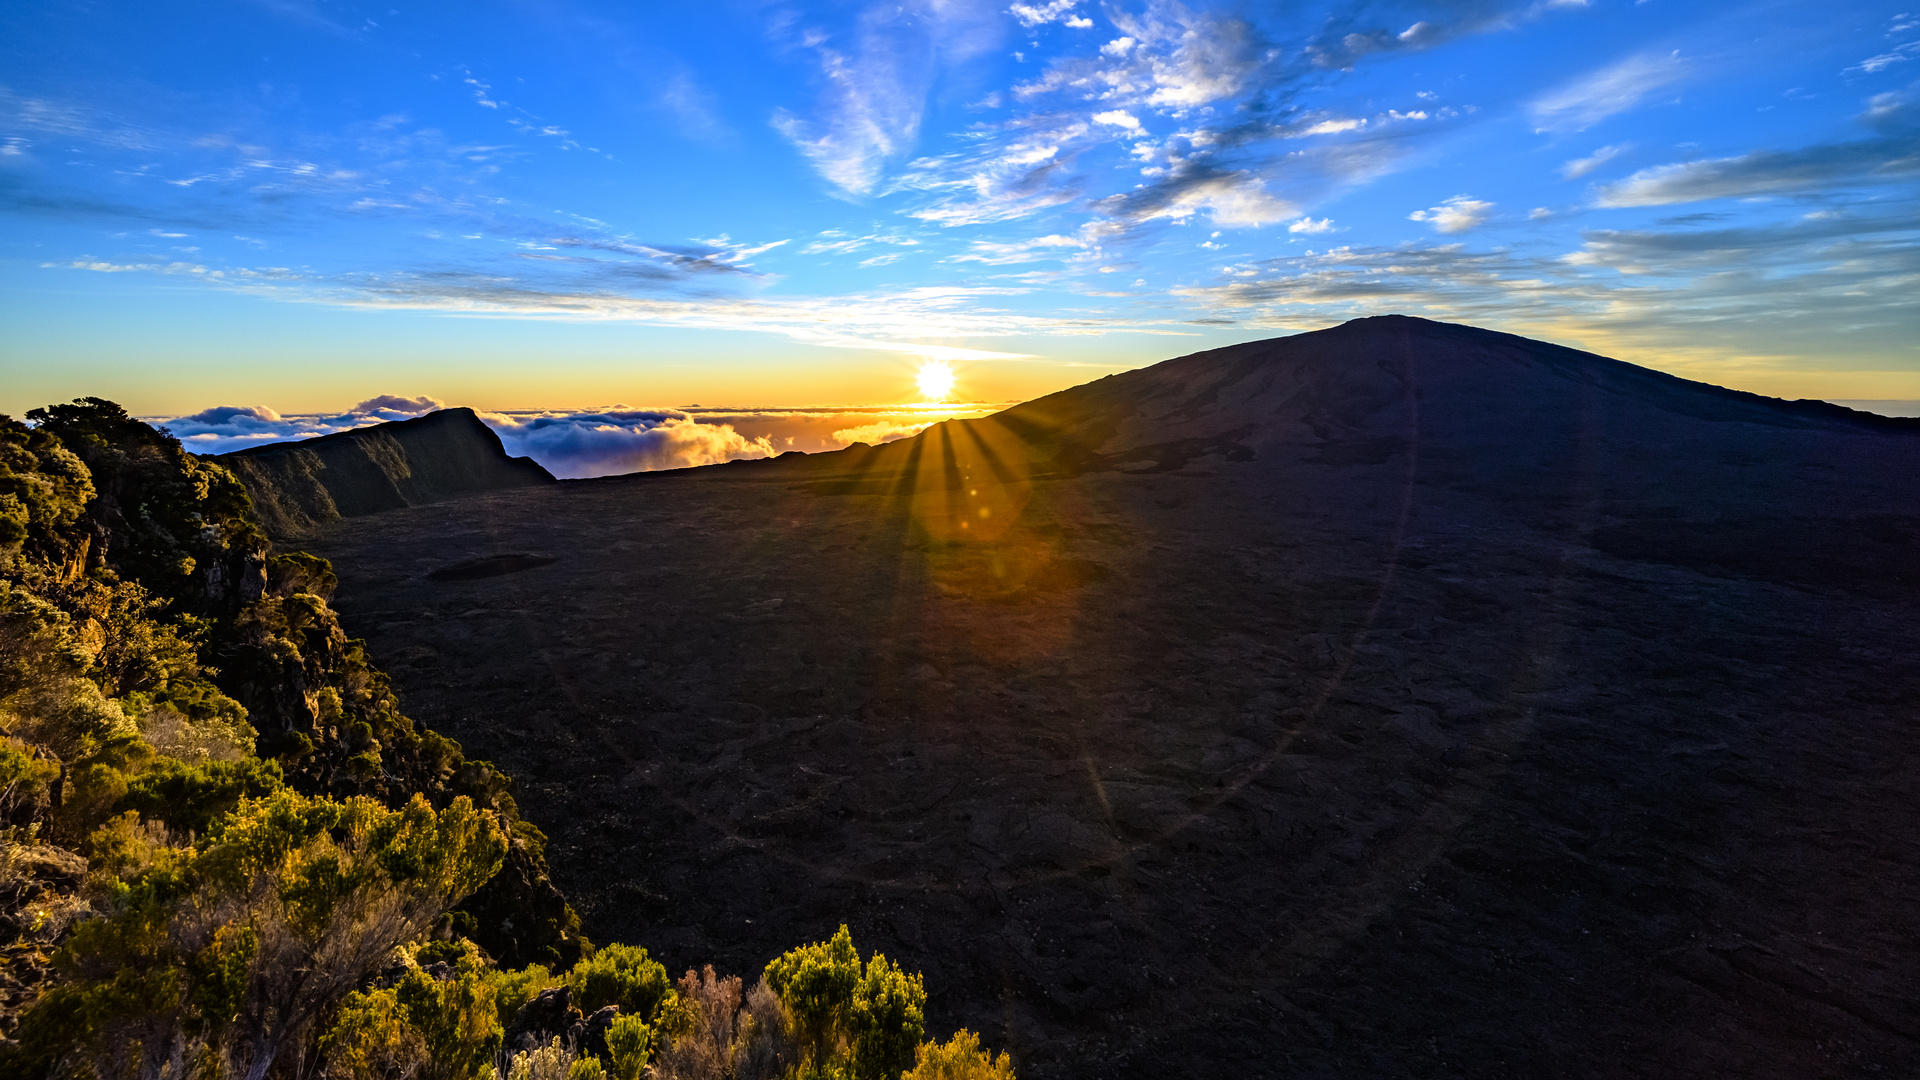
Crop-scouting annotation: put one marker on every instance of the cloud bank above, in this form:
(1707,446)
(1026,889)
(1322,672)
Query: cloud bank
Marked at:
(578,444)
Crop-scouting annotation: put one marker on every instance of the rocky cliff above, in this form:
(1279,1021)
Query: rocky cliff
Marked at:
(443,455)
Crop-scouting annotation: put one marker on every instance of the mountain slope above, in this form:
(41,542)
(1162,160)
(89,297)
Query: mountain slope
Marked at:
(1396,700)
(442,455)
(1646,463)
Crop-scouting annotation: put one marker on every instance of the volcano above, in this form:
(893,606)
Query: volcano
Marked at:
(1399,699)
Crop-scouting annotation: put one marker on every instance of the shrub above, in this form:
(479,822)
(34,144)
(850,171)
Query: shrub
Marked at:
(864,1021)
(435,1029)
(550,1062)
(24,778)
(960,1058)
(626,976)
(190,798)
(372,1039)
(237,947)
(629,1044)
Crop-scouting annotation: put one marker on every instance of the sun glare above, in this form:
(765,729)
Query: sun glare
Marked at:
(936,380)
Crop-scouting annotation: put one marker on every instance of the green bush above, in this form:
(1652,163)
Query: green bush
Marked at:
(846,1019)
(190,798)
(960,1058)
(626,976)
(630,1044)
(23,781)
(235,948)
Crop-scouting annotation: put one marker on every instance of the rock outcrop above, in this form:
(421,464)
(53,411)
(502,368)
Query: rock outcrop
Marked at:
(443,455)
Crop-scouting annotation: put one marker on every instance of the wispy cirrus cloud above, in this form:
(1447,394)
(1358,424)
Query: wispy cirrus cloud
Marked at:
(1355,33)
(873,91)
(1003,253)
(1902,25)
(1229,198)
(1766,172)
(1197,103)
(923,322)
(1682,298)
(1579,167)
(1612,90)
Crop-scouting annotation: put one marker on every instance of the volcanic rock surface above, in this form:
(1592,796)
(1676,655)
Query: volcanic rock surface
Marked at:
(442,455)
(1397,700)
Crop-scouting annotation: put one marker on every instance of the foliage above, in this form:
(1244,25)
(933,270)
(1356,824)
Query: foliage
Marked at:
(439,1029)
(141,604)
(236,946)
(24,778)
(550,1062)
(816,984)
(249,901)
(726,1037)
(848,1020)
(629,1044)
(959,1058)
(373,1039)
(44,490)
(887,1020)
(626,976)
(190,798)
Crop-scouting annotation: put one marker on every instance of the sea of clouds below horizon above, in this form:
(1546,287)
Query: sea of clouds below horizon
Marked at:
(577,444)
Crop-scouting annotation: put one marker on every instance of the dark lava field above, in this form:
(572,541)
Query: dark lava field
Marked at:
(1398,700)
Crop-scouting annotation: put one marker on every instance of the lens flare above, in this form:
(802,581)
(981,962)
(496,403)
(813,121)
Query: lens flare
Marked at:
(936,380)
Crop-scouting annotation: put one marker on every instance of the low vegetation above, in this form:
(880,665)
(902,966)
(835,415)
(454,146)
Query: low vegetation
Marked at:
(225,853)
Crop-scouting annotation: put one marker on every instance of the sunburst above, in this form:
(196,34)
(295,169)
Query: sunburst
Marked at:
(936,380)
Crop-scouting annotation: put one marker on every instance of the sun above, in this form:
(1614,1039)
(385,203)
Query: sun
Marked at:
(936,380)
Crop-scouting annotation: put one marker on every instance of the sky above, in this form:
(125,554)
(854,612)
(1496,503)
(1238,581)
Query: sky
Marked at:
(572,209)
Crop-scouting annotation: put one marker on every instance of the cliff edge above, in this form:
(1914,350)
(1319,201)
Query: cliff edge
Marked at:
(444,455)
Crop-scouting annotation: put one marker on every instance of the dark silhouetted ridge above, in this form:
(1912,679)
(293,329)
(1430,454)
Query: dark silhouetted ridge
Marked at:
(442,455)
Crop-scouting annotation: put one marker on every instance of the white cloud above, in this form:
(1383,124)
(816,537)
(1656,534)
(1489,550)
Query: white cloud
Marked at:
(578,443)
(1766,172)
(1032,15)
(920,321)
(996,253)
(874,93)
(1231,199)
(834,242)
(1117,118)
(881,431)
(1613,89)
(1455,215)
(1820,295)
(1579,167)
(1334,127)
(1311,227)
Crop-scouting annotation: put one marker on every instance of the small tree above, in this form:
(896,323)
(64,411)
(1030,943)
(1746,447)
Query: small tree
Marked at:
(846,1018)
(816,984)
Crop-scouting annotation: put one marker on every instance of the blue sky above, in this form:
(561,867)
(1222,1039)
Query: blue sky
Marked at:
(297,205)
